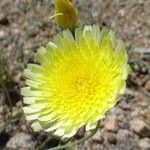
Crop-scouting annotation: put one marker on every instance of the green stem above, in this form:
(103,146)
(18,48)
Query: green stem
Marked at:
(12,120)
(41,147)
(77,142)
(7,94)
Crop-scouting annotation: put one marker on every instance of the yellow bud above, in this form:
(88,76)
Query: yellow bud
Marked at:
(65,14)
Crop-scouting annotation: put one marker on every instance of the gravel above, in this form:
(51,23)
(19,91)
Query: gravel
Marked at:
(140,127)
(21,141)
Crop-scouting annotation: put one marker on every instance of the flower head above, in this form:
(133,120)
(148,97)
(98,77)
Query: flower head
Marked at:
(65,14)
(76,81)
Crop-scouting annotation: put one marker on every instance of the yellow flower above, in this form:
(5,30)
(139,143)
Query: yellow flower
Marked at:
(65,14)
(76,81)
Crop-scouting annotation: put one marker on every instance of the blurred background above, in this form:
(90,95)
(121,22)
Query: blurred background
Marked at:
(24,27)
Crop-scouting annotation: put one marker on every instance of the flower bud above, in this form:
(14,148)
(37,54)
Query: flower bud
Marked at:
(65,14)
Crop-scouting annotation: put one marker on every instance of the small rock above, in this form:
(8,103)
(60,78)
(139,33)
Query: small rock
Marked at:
(140,127)
(2,34)
(1,109)
(147,86)
(121,12)
(123,134)
(94,147)
(123,124)
(144,70)
(18,77)
(15,111)
(141,1)
(4,20)
(144,144)
(19,104)
(97,138)
(20,141)
(123,105)
(112,139)
(23,127)
(111,124)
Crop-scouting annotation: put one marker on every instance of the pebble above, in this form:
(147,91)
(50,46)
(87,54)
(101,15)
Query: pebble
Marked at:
(141,1)
(20,141)
(17,79)
(121,12)
(97,138)
(1,109)
(147,86)
(19,104)
(144,144)
(144,70)
(111,124)
(123,134)
(140,127)
(15,111)
(94,147)
(124,105)
(4,19)
(23,127)
(112,139)
(2,34)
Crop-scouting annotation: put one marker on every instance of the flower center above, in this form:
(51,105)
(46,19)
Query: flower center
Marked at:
(82,84)
(84,87)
